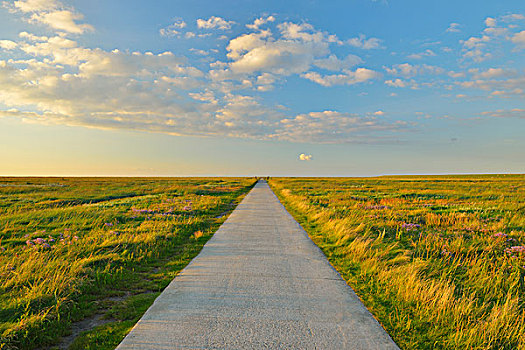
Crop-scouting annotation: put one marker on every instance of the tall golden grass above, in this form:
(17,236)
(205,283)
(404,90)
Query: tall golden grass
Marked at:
(431,257)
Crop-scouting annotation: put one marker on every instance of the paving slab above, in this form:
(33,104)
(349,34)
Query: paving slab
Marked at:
(259,283)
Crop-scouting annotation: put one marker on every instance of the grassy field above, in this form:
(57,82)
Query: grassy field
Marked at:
(78,253)
(439,260)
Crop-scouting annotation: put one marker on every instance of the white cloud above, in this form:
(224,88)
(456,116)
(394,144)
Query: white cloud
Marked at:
(497,31)
(420,55)
(205,96)
(63,20)
(363,43)
(519,39)
(335,127)
(199,52)
(335,64)
(259,22)
(297,50)
(148,92)
(245,43)
(513,17)
(490,22)
(265,82)
(454,28)
(173,29)
(456,75)
(305,157)
(214,23)
(398,83)
(36,5)
(51,13)
(54,79)
(293,53)
(408,70)
(7,44)
(492,73)
(497,82)
(348,77)
(379,113)
(305,32)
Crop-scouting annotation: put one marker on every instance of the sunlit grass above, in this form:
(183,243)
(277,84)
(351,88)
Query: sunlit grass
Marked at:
(69,246)
(439,260)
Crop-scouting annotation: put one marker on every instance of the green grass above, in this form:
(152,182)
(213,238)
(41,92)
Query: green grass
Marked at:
(75,248)
(430,256)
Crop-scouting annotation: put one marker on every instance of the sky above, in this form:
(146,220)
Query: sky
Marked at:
(245,87)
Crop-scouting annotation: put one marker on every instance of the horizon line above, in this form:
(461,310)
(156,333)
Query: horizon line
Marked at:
(260,176)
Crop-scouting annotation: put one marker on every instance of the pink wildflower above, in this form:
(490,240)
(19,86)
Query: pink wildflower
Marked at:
(515,249)
(410,226)
(39,240)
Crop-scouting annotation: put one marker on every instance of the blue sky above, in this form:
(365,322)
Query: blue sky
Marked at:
(246,87)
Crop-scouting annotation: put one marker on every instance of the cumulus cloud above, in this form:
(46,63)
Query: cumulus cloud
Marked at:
(305,157)
(36,5)
(63,20)
(490,22)
(497,30)
(51,13)
(406,83)
(214,23)
(173,29)
(420,55)
(519,39)
(348,77)
(260,22)
(335,64)
(408,70)
(55,79)
(7,44)
(153,92)
(492,73)
(398,83)
(297,49)
(513,17)
(454,28)
(363,43)
(265,82)
(498,82)
(69,84)
(293,53)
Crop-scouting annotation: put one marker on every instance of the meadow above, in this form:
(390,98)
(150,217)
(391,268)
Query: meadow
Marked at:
(439,260)
(81,259)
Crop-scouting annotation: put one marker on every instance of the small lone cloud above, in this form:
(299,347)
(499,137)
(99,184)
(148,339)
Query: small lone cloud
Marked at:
(379,113)
(305,157)
(454,28)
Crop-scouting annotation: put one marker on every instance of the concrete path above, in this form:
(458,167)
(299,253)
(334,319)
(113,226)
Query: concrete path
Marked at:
(259,283)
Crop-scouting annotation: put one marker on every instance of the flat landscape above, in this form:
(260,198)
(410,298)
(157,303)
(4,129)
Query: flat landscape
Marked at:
(259,174)
(439,260)
(86,257)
